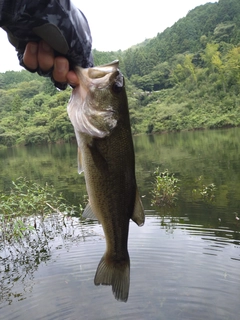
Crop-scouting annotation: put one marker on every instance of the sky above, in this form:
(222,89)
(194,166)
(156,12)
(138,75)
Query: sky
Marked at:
(117,24)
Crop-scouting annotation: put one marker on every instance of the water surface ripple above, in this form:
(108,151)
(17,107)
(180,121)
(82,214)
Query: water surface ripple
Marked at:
(185,260)
(178,271)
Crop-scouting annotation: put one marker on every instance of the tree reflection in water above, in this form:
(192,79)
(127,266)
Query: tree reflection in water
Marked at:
(20,258)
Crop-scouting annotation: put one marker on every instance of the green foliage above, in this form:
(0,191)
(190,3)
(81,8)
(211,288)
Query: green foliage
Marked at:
(165,188)
(36,135)
(26,202)
(206,191)
(12,79)
(197,61)
(187,77)
(32,112)
(101,57)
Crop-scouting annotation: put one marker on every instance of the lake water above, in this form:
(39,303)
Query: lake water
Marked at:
(185,260)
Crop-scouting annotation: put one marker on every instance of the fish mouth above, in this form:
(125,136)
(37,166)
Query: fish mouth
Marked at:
(101,71)
(98,76)
(89,114)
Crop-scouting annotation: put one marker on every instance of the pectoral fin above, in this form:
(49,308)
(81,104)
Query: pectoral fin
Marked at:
(80,167)
(138,213)
(88,213)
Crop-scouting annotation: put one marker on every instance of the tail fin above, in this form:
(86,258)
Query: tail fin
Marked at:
(114,273)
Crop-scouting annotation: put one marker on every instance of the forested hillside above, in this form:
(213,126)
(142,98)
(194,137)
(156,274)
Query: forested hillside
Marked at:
(187,77)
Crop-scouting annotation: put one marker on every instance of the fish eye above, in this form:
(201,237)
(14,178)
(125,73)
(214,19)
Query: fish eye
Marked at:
(117,87)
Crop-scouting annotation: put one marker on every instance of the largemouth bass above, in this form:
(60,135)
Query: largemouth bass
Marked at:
(98,110)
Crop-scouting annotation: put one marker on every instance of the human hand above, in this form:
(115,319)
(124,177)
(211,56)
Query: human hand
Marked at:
(41,56)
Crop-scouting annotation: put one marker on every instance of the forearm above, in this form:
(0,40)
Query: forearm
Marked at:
(58,22)
(8,9)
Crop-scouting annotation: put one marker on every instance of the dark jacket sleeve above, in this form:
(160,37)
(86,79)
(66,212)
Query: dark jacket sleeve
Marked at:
(58,22)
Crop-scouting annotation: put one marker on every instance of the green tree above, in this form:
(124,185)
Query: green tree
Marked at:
(210,54)
(232,68)
(16,104)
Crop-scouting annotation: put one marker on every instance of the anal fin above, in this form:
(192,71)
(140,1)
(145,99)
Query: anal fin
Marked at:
(88,213)
(138,215)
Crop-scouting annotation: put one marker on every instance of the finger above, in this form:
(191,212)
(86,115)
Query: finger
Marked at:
(30,58)
(72,78)
(45,56)
(61,68)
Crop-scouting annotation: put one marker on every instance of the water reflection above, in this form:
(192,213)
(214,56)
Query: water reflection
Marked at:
(185,261)
(21,258)
(178,271)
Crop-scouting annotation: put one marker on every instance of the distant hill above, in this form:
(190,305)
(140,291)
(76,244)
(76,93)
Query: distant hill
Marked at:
(212,22)
(216,22)
(187,77)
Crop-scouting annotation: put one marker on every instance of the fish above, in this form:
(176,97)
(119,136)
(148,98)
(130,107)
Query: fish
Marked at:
(98,110)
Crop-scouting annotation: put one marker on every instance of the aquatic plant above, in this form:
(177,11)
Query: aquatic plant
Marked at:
(26,204)
(206,191)
(165,188)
